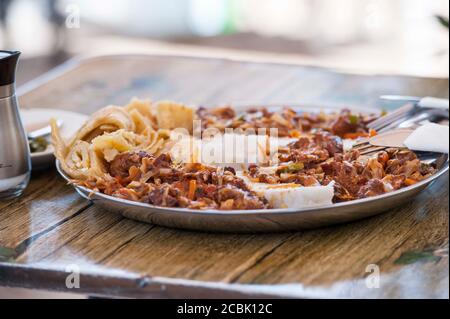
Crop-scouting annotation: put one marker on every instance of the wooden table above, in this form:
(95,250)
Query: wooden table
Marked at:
(51,231)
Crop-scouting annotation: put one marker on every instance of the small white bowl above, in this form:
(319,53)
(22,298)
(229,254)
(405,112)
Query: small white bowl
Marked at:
(71,122)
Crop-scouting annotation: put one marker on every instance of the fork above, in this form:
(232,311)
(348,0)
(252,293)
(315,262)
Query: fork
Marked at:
(382,141)
(392,117)
(414,109)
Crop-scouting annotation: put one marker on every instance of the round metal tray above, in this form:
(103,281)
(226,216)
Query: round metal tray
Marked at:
(266,220)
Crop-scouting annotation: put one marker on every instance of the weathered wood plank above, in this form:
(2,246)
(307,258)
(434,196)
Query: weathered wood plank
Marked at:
(106,239)
(47,202)
(109,283)
(339,253)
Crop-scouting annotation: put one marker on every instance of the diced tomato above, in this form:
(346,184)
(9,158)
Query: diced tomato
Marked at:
(295,134)
(354,136)
(410,181)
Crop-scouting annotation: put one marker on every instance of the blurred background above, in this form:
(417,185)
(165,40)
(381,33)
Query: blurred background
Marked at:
(369,36)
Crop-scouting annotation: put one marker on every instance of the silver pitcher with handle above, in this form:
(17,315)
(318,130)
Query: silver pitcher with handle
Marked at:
(15,162)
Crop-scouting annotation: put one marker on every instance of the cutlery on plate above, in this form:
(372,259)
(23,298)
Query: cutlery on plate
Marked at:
(425,102)
(415,109)
(394,138)
(43,131)
(430,137)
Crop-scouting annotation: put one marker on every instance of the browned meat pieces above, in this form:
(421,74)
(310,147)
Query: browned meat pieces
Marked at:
(342,126)
(372,188)
(232,197)
(141,177)
(302,143)
(289,122)
(164,195)
(120,166)
(162,161)
(305,150)
(330,142)
(224,112)
(347,123)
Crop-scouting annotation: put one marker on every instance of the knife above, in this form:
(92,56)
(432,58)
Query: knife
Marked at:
(424,102)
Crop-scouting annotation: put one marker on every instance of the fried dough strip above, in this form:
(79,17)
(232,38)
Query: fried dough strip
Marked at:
(110,118)
(78,161)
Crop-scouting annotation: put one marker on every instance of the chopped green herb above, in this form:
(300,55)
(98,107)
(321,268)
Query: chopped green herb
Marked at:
(291,168)
(353,119)
(38,144)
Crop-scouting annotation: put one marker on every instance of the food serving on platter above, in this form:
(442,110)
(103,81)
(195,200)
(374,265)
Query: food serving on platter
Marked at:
(172,155)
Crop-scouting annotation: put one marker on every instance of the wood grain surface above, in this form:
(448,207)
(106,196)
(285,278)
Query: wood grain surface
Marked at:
(51,231)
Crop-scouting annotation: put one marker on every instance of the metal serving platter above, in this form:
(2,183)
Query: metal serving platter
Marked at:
(263,220)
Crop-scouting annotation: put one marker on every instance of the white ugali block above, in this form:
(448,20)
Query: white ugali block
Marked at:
(293,195)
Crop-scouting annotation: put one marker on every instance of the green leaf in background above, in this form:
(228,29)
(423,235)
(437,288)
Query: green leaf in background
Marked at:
(7,254)
(443,20)
(413,256)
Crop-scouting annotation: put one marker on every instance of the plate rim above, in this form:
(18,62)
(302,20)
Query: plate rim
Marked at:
(356,202)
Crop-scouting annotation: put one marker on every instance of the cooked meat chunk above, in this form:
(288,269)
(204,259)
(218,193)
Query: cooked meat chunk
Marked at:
(342,125)
(163,160)
(120,166)
(164,196)
(372,188)
(333,144)
(234,198)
